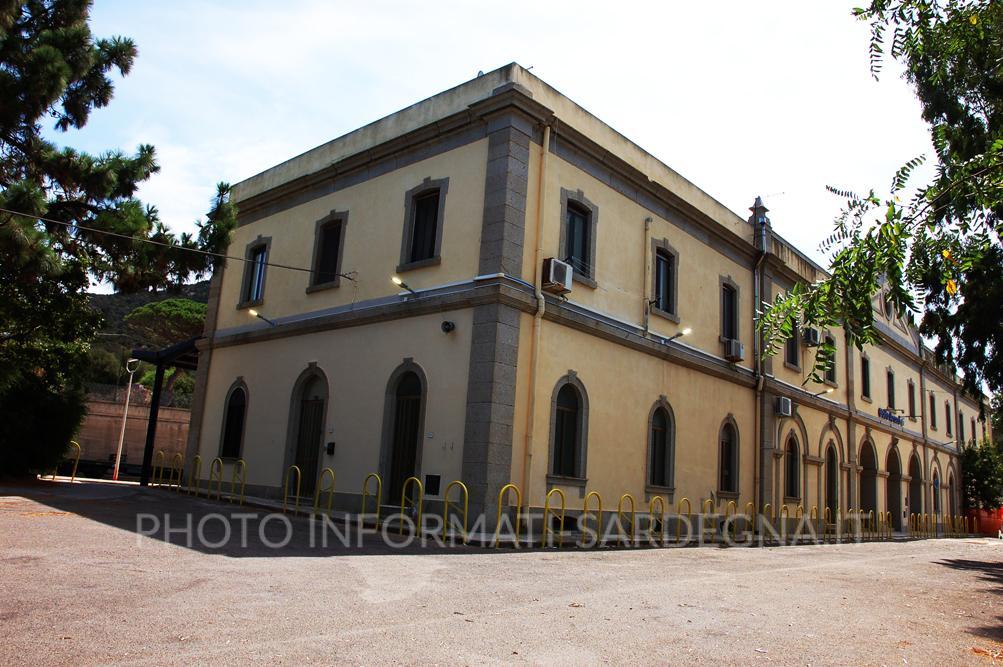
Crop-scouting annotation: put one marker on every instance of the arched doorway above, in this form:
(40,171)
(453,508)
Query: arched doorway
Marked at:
(831,479)
(308,410)
(915,486)
(894,489)
(405,435)
(868,478)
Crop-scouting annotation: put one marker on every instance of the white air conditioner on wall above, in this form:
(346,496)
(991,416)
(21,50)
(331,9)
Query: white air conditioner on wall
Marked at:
(784,407)
(812,338)
(557,276)
(734,350)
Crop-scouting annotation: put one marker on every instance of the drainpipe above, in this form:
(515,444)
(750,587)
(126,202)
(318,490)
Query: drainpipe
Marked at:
(541,306)
(646,314)
(760,222)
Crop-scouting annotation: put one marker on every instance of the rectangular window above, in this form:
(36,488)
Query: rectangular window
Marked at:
(933,411)
(792,349)
(865,377)
(912,400)
(254,289)
(961,427)
(425,226)
(577,244)
(665,279)
(891,390)
(729,312)
(947,417)
(830,371)
(328,253)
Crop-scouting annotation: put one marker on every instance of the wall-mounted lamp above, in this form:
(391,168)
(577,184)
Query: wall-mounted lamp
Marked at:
(400,283)
(253,313)
(685,332)
(448,326)
(827,391)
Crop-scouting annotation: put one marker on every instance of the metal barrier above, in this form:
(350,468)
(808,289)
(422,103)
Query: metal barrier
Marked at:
(366,494)
(660,515)
(767,511)
(872,528)
(518,508)
(445,508)
(679,515)
(417,505)
(620,513)
(785,517)
(826,518)
(912,524)
(320,489)
(215,471)
(813,519)
(285,492)
(177,466)
(598,514)
(240,465)
(546,518)
(889,520)
(159,460)
(193,481)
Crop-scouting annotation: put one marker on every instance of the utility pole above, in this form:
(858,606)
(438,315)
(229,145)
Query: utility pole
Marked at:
(131,368)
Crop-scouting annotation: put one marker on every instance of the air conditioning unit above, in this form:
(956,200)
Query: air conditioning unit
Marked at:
(557,276)
(734,350)
(784,407)
(812,338)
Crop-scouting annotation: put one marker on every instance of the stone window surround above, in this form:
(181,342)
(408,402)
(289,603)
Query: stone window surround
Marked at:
(911,391)
(249,250)
(580,479)
(949,413)
(237,384)
(870,390)
(578,197)
(333,218)
(666,248)
(730,282)
(737,459)
(891,400)
(933,411)
(426,186)
(670,455)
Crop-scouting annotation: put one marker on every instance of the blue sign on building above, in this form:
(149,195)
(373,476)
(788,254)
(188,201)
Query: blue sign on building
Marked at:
(885,413)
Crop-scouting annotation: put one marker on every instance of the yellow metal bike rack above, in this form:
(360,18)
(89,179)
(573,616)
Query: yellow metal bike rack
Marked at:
(158,467)
(239,472)
(320,489)
(215,472)
(413,481)
(731,518)
(546,518)
(598,514)
(177,466)
(285,490)
(660,515)
(76,460)
(679,514)
(768,511)
(785,516)
(193,482)
(445,507)
(750,515)
(620,514)
(826,518)
(518,508)
(813,519)
(706,510)
(366,494)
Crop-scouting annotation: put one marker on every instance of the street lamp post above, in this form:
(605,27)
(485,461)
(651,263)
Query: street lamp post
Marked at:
(125,414)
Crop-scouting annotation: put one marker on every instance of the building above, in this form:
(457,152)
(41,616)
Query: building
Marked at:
(642,379)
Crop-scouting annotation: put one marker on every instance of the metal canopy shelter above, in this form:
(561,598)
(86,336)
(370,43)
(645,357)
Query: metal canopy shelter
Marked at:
(182,355)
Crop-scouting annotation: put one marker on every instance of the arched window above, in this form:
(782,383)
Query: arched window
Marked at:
(569,428)
(792,469)
(661,447)
(729,458)
(233,423)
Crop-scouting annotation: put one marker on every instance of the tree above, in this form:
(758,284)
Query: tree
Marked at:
(164,323)
(983,476)
(937,252)
(67,217)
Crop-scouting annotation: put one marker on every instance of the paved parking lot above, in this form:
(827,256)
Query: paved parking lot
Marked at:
(77,585)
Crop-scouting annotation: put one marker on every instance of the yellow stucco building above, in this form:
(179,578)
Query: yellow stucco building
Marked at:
(478,364)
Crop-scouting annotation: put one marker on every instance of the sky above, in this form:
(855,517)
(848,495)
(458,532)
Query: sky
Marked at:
(741,98)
